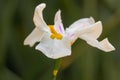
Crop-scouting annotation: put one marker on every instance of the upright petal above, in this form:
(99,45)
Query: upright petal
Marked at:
(54,48)
(38,17)
(41,26)
(35,36)
(58,22)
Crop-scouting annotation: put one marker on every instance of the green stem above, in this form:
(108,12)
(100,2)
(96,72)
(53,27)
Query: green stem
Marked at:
(56,68)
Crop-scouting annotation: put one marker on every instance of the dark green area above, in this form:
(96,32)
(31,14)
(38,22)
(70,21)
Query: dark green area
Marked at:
(19,62)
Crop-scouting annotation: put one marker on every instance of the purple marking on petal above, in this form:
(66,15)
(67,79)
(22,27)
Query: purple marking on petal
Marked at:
(60,28)
(71,35)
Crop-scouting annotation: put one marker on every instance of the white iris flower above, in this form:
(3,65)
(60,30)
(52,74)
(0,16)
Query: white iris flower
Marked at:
(55,42)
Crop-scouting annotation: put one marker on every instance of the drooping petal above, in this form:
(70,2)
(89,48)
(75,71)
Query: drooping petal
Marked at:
(54,48)
(38,17)
(58,22)
(35,36)
(103,45)
(91,38)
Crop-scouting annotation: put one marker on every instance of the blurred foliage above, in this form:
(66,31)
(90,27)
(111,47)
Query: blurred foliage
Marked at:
(19,62)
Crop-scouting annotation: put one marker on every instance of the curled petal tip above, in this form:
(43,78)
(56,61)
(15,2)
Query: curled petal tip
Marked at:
(59,11)
(108,47)
(43,5)
(92,19)
(113,48)
(58,14)
(26,43)
(99,23)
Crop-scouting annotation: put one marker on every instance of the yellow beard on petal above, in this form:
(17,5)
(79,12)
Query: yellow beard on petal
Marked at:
(55,34)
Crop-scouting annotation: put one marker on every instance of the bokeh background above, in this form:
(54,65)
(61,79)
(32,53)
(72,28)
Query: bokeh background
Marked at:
(19,62)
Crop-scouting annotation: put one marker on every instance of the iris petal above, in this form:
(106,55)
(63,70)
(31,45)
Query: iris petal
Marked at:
(91,38)
(84,26)
(40,28)
(54,48)
(38,17)
(55,42)
(103,45)
(35,36)
(89,31)
(58,23)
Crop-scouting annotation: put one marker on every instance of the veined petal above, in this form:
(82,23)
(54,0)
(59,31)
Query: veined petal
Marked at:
(81,23)
(106,45)
(91,36)
(94,30)
(85,26)
(78,27)
(40,29)
(35,36)
(103,45)
(54,48)
(58,22)
(38,17)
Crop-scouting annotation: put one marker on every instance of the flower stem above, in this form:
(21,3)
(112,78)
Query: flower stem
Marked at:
(56,68)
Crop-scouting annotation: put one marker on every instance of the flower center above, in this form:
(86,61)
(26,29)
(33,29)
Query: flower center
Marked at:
(55,34)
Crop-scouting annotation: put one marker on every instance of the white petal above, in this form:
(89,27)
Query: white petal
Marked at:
(54,48)
(107,46)
(86,23)
(58,22)
(94,30)
(82,23)
(35,36)
(79,26)
(38,17)
(92,19)
(85,26)
(103,45)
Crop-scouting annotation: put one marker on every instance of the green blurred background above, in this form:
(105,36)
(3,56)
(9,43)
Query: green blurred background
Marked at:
(19,62)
